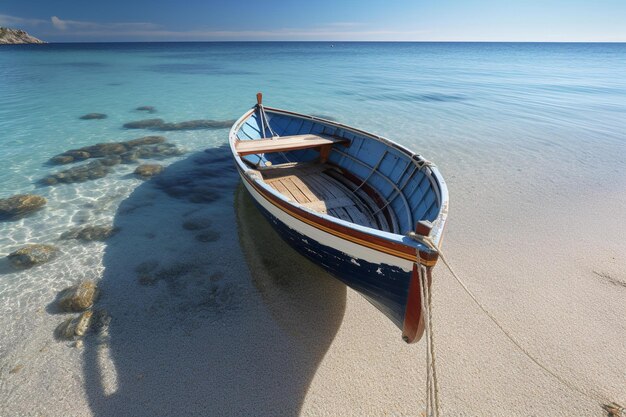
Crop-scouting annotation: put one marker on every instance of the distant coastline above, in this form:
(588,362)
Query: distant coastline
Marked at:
(10,36)
(109,42)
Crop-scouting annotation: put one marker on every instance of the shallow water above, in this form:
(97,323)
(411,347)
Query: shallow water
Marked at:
(533,124)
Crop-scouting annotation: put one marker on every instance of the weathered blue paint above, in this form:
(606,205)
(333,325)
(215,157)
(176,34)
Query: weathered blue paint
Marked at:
(385,286)
(394,166)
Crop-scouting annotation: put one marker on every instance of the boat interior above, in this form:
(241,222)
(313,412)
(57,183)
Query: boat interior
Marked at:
(338,171)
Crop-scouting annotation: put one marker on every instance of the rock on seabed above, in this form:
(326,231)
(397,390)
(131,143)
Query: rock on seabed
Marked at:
(149,109)
(145,124)
(20,205)
(89,171)
(160,124)
(93,116)
(90,233)
(146,171)
(75,327)
(31,255)
(101,150)
(79,297)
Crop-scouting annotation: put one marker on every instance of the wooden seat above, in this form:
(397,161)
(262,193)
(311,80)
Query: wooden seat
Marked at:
(289,143)
(315,187)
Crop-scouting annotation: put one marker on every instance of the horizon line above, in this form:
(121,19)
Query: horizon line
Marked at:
(325,41)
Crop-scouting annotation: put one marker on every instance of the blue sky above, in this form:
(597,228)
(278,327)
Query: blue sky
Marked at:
(403,20)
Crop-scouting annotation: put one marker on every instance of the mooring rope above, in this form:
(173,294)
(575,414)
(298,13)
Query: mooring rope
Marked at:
(432,391)
(614,409)
(267,123)
(269,127)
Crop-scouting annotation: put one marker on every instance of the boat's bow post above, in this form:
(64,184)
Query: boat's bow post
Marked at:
(259,105)
(413,326)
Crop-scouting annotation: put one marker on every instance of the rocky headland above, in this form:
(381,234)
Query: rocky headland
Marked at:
(10,36)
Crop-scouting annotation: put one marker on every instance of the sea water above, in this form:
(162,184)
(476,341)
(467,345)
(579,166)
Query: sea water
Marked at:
(538,123)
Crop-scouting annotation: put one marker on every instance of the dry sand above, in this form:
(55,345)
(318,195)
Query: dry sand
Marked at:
(272,335)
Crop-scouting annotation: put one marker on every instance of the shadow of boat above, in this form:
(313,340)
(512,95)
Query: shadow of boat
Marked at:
(205,319)
(292,288)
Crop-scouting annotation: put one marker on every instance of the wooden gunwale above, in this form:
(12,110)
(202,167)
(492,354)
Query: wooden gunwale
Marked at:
(406,252)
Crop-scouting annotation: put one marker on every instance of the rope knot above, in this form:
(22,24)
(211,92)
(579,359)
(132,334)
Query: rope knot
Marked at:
(425,240)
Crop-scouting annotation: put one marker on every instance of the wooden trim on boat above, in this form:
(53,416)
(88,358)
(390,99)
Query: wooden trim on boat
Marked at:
(288,143)
(413,325)
(370,241)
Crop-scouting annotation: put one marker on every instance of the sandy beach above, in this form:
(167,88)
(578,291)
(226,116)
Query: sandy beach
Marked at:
(270,333)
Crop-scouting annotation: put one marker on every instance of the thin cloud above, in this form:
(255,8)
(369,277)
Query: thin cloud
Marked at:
(330,31)
(6,20)
(85,26)
(80,30)
(58,23)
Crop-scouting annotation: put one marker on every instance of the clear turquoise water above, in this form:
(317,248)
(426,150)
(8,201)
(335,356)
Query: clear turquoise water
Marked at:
(532,97)
(524,121)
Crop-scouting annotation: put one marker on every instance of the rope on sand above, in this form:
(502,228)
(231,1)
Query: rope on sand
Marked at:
(432,392)
(614,409)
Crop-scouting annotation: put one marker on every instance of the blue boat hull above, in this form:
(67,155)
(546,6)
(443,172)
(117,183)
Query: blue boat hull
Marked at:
(385,286)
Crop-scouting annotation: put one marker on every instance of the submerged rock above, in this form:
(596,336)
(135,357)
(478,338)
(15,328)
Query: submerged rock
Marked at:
(145,272)
(148,170)
(147,266)
(94,116)
(104,149)
(101,150)
(158,151)
(31,255)
(111,160)
(90,233)
(147,279)
(146,140)
(70,156)
(20,205)
(163,150)
(61,159)
(79,297)
(82,325)
(101,319)
(90,171)
(208,236)
(160,124)
(145,124)
(149,109)
(197,224)
(198,124)
(74,327)
(130,157)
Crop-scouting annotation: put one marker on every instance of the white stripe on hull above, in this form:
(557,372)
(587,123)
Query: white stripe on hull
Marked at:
(349,248)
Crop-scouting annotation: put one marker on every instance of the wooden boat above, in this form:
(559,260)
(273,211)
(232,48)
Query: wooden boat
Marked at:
(368,210)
